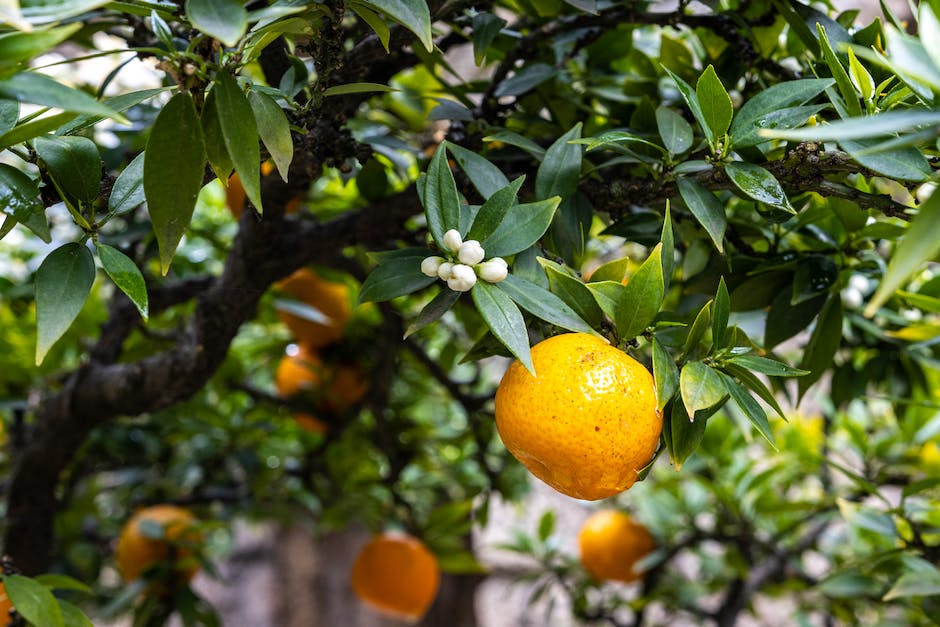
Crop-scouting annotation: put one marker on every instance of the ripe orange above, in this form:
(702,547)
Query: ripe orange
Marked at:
(330,298)
(335,389)
(396,575)
(5,606)
(587,423)
(136,552)
(611,543)
(235,193)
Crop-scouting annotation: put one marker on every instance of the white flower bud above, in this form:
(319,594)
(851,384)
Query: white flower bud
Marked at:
(859,283)
(462,278)
(444,270)
(452,240)
(493,270)
(471,253)
(852,298)
(431,265)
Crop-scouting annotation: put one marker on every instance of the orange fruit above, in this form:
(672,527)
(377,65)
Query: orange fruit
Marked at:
(5,606)
(137,552)
(335,389)
(328,297)
(396,575)
(587,423)
(235,193)
(611,544)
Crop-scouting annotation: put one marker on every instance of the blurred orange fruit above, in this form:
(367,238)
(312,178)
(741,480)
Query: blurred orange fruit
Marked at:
(396,575)
(5,606)
(235,193)
(328,297)
(587,423)
(136,552)
(611,544)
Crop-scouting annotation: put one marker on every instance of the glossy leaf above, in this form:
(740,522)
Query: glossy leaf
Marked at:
(682,434)
(216,150)
(19,200)
(753,383)
(915,584)
(766,366)
(9,114)
(126,275)
(240,133)
(783,96)
(437,307)
(781,119)
(698,329)
(374,21)
(493,211)
(33,601)
(675,132)
(558,175)
(785,320)
(751,408)
(707,209)
(702,388)
(357,88)
(843,82)
(758,183)
(486,26)
(226,20)
(505,321)
(721,311)
(878,125)
(412,14)
(543,304)
(15,48)
(715,102)
(274,130)
(39,89)
(907,164)
(74,164)
(523,226)
(173,171)
(668,241)
(439,197)
(486,177)
(394,277)
(691,99)
(665,374)
(642,298)
(527,78)
(815,274)
(46,11)
(823,343)
(63,282)
(127,192)
(574,292)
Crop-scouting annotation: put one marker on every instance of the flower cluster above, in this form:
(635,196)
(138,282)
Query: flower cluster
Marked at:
(464,263)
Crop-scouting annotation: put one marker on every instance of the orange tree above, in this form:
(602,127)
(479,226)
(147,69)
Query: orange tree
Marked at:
(737,195)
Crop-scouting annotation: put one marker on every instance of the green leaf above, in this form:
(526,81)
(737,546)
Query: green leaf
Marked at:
(691,99)
(18,47)
(823,343)
(33,601)
(216,151)
(642,297)
(878,125)
(125,274)
(41,90)
(669,247)
(766,366)
(721,311)
(675,131)
(226,20)
(575,293)
(915,584)
(486,177)
(614,138)
(749,119)
(374,21)
(412,14)
(525,79)
(9,114)
(907,164)
(665,374)
(357,88)
(542,303)
(45,11)
(849,585)
(615,271)
(19,200)
(758,183)
(751,408)
(697,331)
(702,387)
(860,77)
(460,562)
(173,171)
(714,101)
(240,133)
(486,26)
(706,208)
(63,282)
(558,175)
(754,384)
(785,320)
(494,210)
(56,581)
(815,275)
(274,130)
(439,197)
(682,435)
(394,277)
(432,312)
(74,164)
(843,82)
(523,226)
(505,321)
(780,119)
(72,616)
(128,190)
(928,26)
(607,294)
(119,103)
(517,140)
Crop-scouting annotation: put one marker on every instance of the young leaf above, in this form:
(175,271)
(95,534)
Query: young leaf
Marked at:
(128,190)
(439,197)
(706,208)
(751,408)
(691,99)
(843,82)
(702,388)
(758,183)
(642,298)
(505,321)
(274,130)
(665,374)
(715,102)
(226,20)
(173,170)
(63,282)
(523,226)
(19,200)
(607,294)
(74,164)
(33,601)
(766,366)
(575,293)
(240,133)
(394,277)
(412,14)
(697,330)
(823,344)
(918,245)
(675,131)
(433,311)
(491,214)
(682,434)
(860,77)
(125,275)
(721,310)
(542,303)
(486,177)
